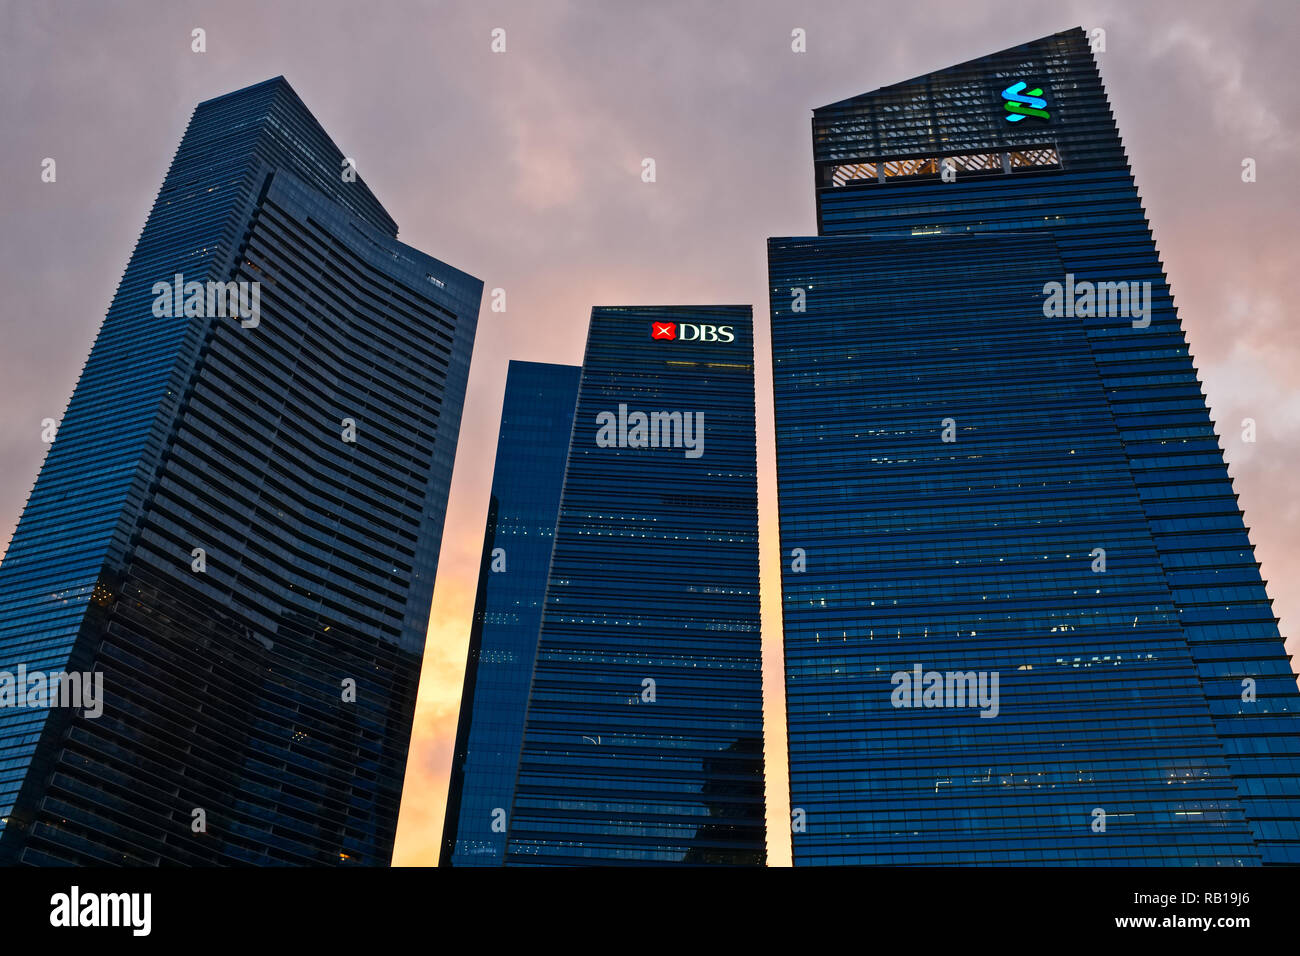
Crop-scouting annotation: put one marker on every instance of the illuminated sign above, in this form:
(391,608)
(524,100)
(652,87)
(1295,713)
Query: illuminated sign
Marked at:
(1021,103)
(689,332)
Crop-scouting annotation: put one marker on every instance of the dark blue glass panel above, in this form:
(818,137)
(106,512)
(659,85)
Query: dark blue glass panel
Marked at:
(273,688)
(643,741)
(532,448)
(1172,522)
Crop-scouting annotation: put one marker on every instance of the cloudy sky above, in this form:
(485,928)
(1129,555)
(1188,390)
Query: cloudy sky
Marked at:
(523,168)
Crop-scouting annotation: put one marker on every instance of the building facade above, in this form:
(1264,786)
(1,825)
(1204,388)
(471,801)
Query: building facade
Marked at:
(532,449)
(643,742)
(238,523)
(1024,623)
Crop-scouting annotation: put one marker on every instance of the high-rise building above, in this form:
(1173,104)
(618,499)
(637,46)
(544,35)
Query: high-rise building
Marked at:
(238,523)
(643,742)
(532,449)
(1024,622)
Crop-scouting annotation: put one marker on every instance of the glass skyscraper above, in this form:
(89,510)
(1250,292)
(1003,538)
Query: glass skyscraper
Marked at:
(1023,618)
(532,448)
(238,522)
(643,742)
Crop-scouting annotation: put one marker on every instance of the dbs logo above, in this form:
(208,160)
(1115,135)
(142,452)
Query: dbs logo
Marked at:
(689,332)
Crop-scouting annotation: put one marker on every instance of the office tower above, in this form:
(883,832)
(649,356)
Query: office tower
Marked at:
(1025,623)
(238,522)
(532,448)
(643,742)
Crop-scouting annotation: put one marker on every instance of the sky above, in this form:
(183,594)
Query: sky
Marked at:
(524,169)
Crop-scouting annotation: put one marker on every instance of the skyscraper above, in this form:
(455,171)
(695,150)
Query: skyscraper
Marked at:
(1024,623)
(532,448)
(643,742)
(238,522)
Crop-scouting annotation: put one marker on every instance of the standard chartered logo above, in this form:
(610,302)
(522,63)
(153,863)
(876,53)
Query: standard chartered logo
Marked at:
(1021,103)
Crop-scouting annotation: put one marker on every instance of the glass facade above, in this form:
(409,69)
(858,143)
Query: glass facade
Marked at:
(643,742)
(238,523)
(532,448)
(985,485)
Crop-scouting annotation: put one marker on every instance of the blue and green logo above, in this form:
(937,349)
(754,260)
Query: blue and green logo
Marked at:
(1021,103)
